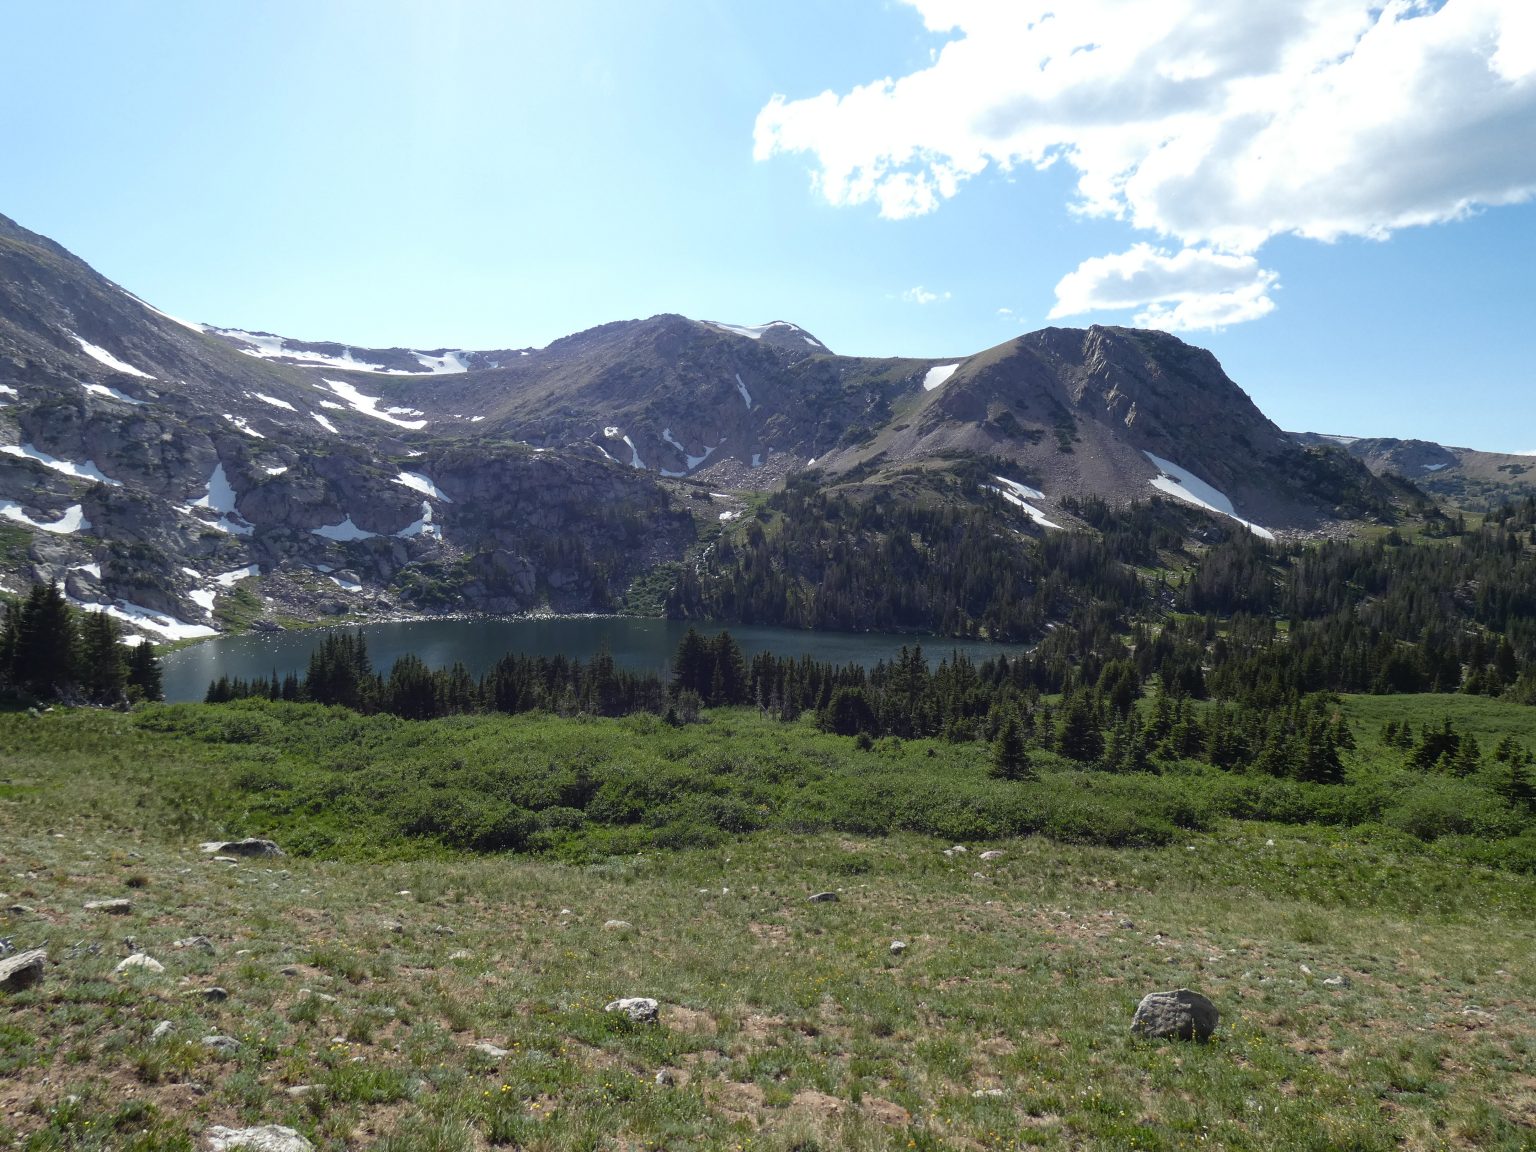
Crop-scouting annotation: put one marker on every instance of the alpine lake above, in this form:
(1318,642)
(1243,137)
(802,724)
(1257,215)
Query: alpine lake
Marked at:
(634,643)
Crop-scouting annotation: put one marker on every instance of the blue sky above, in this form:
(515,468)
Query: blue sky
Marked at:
(1334,199)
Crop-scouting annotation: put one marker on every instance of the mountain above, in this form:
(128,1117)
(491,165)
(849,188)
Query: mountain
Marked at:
(189,478)
(1464,477)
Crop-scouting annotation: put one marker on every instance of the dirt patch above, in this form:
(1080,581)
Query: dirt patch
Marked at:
(885,1111)
(690,1021)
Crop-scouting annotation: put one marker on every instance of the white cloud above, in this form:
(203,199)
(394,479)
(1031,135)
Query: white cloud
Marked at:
(921,295)
(1217,123)
(1192,289)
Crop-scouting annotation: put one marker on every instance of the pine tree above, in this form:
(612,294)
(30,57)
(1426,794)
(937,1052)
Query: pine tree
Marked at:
(1010,759)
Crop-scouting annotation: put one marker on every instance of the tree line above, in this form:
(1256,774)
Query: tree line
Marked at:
(50,651)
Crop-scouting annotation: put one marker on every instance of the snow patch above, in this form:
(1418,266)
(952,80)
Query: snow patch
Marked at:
(730,515)
(158,622)
(757,459)
(218,494)
(344,585)
(423,526)
(265,346)
(278,470)
(751,331)
(7,390)
(344,531)
(324,423)
(92,569)
(1434,467)
(241,423)
(634,454)
(192,324)
(422,484)
(936,376)
(1184,485)
(203,598)
(102,356)
(104,390)
(1018,495)
(693,461)
(448,362)
(73,519)
(233,577)
(272,400)
(745,395)
(369,406)
(83,471)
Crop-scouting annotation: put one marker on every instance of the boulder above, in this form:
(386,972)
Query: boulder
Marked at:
(824,898)
(992,854)
(1180,1014)
(617,925)
(267,1138)
(225,1046)
(250,846)
(898,947)
(117,907)
(640,1009)
(486,1048)
(23,970)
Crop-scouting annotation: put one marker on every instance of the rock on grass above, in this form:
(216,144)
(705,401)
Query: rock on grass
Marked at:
(1180,1014)
(267,1138)
(23,970)
(640,1009)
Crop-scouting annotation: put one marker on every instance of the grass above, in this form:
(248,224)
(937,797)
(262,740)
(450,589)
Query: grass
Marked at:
(367,980)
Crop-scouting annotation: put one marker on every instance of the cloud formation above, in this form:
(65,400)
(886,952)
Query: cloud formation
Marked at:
(921,295)
(1217,124)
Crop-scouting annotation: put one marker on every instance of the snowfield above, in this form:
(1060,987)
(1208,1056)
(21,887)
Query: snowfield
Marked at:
(936,376)
(73,519)
(1184,485)
(158,622)
(745,395)
(420,483)
(1019,496)
(104,390)
(272,400)
(102,356)
(344,531)
(369,406)
(241,423)
(83,471)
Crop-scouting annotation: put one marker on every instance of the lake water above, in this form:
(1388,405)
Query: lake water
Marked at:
(641,645)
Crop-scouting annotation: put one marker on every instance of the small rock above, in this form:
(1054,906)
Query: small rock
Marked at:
(1305,971)
(290,970)
(461,954)
(640,1009)
(666,1077)
(250,846)
(959,850)
(403,892)
(140,962)
(1182,1014)
(1269,843)
(110,907)
(23,970)
(162,1030)
(824,898)
(311,994)
(299,1091)
(1127,924)
(215,995)
(444,930)
(978,875)
(225,860)
(993,854)
(394,926)
(566,912)
(617,926)
(898,947)
(267,1138)
(984,1092)
(19,910)
(226,1045)
(196,944)
(485,1047)
(1340,981)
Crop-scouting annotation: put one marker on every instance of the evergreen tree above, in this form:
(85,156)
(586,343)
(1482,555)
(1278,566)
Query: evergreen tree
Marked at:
(1010,759)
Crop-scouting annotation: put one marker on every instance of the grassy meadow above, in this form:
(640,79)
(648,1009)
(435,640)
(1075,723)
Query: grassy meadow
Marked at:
(364,968)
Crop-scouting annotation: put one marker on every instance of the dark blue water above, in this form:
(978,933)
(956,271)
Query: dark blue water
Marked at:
(641,645)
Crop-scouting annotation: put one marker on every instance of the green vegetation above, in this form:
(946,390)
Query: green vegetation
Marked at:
(48,651)
(784,1024)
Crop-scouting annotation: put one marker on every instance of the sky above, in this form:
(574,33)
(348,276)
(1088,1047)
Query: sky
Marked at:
(1334,196)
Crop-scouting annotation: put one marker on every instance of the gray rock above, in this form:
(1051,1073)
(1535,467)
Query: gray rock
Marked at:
(196,943)
(617,925)
(459,954)
(225,1045)
(993,854)
(139,962)
(824,898)
(299,1091)
(162,1030)
(640,1009)
(1180,1014)
(110,907)
(267,1138)
(666,1077)
(23,970)
(215,995)
(250,846)
(1339,981)
(311,994)
(19,910)
(898,947)
(486,1048)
